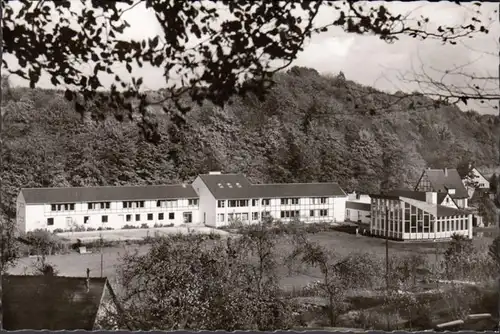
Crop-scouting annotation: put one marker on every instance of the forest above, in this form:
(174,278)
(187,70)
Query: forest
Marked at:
(310,127)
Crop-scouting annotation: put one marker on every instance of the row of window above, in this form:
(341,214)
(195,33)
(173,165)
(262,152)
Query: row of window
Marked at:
(126,205)
(267,201)
(188,217)
(426,226)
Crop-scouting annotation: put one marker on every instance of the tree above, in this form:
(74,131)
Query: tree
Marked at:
(186,282)
(338,275)
(494,181)
(213,63)
(487,209)
(457,257)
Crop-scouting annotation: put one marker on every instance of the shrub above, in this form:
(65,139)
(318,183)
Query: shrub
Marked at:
(90,229)
(58,230)
(128,227)
(144,225)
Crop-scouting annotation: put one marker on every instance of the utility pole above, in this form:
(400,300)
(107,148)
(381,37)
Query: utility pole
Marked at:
(387,257)
(101,249)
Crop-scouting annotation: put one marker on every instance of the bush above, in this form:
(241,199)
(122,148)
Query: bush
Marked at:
(58,230)
(128,227)
(90,229)
(144,225)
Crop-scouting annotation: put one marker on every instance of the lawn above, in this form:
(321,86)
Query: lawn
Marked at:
(74,264)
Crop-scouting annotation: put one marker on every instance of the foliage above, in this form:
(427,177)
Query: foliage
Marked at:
(338,275)
(487,209)
(457,256)
(183,282)
(213,60)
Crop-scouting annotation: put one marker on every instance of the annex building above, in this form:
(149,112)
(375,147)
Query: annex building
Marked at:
(418,215)
(213,199)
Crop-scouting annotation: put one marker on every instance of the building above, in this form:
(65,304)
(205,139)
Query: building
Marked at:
(414,215)
(56,303)
(475,180)
(446,181)
(358,208)
(105,207)
(228,197)
(213,199)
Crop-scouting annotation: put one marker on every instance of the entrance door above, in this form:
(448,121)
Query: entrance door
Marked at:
(188,217)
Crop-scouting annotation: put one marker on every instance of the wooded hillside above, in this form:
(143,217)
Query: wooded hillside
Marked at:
(310,128)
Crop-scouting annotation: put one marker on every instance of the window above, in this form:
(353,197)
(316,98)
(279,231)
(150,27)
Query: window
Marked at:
(243,203)
(53,207)
(323,200)
(192,202)
(266,201)
(282,214)
(188,217)
(66,207)
(255,216)
(220,217)
(125,205)
(254,202)
(104,219)
(266,214)
(323,213)
(128,218)
(137,217)
(158,204)
(103,205)
(141,204)
(237,203)
(221,204)
(295,201)
(72,206)
(284,201)
(85,219)
(160,216)
(244,217)
(171,215)
(150,216)
(311,213)
(347,213)
(50,221)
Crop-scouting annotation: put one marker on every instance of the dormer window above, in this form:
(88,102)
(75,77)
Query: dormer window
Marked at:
(451,191)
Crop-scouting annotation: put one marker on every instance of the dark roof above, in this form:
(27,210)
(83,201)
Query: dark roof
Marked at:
(50,302)
(416,195)
(298,190)
(358,206)
(445,211)
(98,194)
(218,184)
(223,186)
(442,183)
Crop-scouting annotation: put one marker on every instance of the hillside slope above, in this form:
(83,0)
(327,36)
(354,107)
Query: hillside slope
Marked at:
(310,128)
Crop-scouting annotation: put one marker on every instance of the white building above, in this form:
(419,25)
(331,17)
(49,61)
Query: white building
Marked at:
(227,197)
(103,207)
(445,181)
(475,180)
(358,208)
(414,215)
(213,199)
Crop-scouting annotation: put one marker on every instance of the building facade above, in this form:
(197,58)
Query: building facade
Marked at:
(227,198)
(213,199)
(106,207)
(408,217)
(444,181)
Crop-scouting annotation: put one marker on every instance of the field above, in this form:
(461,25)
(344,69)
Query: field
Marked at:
(74,264)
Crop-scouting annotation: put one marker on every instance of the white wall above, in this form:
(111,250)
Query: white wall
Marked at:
(334,205)
(20,213)
(358,215)
(208,203)
(37,215)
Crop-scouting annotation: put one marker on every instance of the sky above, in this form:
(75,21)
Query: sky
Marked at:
(364,58)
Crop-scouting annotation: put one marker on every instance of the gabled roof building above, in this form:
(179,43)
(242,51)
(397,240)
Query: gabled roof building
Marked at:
(416,215)
(56,303)
(446,181)
(213,199)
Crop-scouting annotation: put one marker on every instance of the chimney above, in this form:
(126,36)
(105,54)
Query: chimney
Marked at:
(446,172)
(87,281)
(431,197)
(214,173)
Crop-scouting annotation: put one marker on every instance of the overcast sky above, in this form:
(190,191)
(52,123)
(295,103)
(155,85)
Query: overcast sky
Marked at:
(367,59)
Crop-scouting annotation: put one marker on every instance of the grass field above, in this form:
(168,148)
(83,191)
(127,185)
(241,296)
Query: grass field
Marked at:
(74,264)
